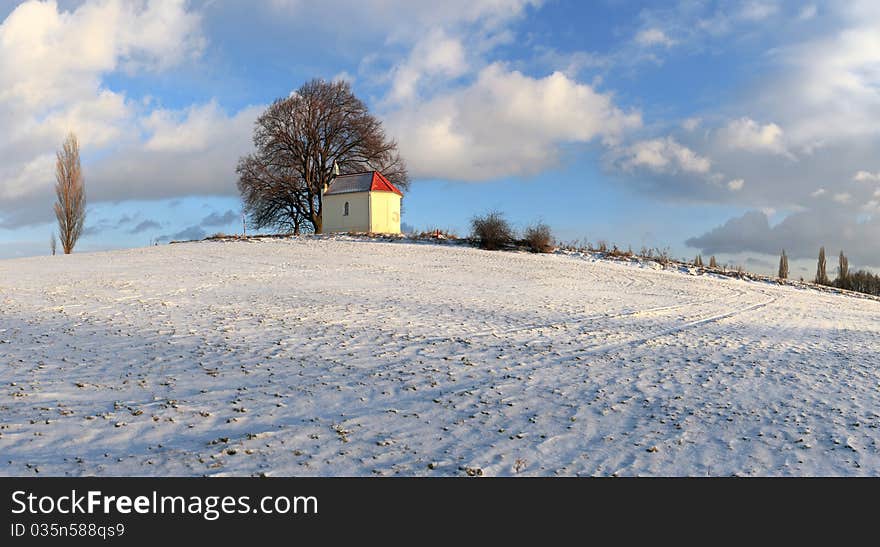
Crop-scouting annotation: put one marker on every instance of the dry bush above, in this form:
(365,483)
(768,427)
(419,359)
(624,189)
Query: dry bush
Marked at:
(492,231)
(619,253)
(576,245)
(435,233)
(663,255)
(538,238)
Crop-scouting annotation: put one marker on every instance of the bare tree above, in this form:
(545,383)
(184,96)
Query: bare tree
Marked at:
(843,271)
(698,261)
(712,262)
(70,209)
(783,265)
(53,243)
(298,140)
(821,275)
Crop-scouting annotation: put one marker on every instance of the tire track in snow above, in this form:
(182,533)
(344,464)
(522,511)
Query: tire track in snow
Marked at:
(606,348)
(566,325)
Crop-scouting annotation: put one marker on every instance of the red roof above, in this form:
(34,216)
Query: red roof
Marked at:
(370,181)
(381,184)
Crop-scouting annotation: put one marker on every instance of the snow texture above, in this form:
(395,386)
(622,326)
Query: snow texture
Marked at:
(333,356)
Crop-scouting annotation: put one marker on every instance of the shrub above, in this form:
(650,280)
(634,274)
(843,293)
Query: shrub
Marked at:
(435,233)
(663,256)
(538,238)
(492,231)
(615,252)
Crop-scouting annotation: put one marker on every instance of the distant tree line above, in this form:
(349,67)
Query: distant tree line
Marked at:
(859,281)
(864,282)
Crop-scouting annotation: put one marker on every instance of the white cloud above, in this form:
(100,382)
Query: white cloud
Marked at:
(818,193)
(691,124)
(97,120)
(404,20)
(697,23)
(866,176)
(666,156)
(842,197)
(436,54)
(49,55)
(736,185)
(830,91)
(33,175)
(504,123)
(758,10)
(187,130)
(747,134)
(344,76)
(570,63)
(808,12)
(52,66)
(653,37)
(186,152)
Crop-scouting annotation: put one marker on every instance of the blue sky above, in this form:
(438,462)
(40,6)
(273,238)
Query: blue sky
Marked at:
(733,128)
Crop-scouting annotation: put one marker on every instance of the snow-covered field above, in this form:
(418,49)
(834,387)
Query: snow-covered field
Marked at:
(344,357)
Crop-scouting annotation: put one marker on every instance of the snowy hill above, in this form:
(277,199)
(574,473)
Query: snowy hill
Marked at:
(343,357)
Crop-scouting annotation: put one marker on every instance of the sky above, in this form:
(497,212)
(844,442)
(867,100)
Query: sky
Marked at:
(735,128)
